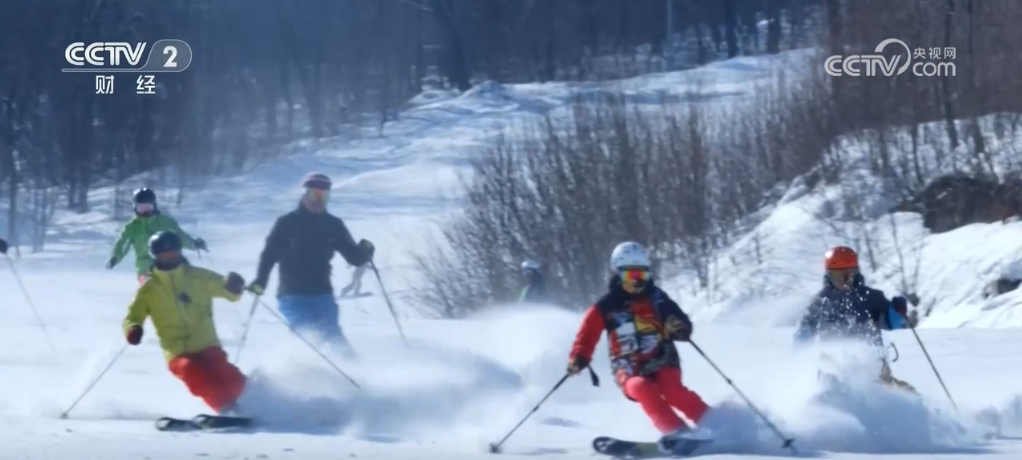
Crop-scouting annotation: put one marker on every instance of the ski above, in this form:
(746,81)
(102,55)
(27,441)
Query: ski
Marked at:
(621,448)
(202,422)
(354,296)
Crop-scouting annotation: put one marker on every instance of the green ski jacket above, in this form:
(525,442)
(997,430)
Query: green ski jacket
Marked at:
(136,236)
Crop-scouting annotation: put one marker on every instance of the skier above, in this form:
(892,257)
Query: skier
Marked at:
(3,247)
(535,289)
(178,298)
(147,222)
(356,281)
(847,308)
(304,241)
(641,323)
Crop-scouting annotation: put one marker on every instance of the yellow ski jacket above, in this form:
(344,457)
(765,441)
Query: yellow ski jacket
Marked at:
(180,304)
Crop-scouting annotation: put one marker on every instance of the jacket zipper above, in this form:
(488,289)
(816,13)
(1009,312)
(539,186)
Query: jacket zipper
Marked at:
(180,308)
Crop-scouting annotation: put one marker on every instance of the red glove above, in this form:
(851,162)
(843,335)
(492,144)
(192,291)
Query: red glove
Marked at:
(135,335)
(235,283)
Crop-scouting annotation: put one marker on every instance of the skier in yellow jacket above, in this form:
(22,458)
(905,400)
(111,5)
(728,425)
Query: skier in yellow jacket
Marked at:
(178,298)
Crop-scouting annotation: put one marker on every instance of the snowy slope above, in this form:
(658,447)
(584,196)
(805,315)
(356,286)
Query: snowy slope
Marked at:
(455,386)
(769,275)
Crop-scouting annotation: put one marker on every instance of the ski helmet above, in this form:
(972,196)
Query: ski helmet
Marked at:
(144,196)
(163,242)
(530,265)
(317,180)
(629,254)
(841,258)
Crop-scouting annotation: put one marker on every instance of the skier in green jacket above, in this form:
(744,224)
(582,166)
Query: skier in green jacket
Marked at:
(147,222)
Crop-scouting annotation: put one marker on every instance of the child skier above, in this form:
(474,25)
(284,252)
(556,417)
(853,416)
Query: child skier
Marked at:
(178,298)
(642,322)
(847,308)
(148,221)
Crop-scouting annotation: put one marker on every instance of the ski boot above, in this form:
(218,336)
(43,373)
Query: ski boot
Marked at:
(682,441)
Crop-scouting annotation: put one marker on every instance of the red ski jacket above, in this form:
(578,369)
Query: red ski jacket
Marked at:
(641,329)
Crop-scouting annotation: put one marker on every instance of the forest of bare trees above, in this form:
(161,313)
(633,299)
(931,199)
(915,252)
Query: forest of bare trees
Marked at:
(686,180)
(268,72)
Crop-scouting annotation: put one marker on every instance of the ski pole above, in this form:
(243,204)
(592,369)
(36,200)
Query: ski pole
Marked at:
(63,415)
(788,442)
(31,305)
(934,367)
(313,347)
(386,298)
(244,332)
(495,447)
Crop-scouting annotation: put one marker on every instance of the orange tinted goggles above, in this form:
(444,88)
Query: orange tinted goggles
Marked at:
(635,274)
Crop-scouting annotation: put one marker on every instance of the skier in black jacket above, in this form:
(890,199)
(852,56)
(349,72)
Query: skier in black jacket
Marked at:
(3,246)
(303,242)
(847,308)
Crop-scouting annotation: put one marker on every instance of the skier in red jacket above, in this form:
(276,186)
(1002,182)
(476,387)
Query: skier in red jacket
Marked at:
(641,323)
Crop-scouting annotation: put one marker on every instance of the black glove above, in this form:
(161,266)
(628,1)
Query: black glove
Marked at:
(683,334)
(3,247)
(680,330)
(200,245)
(257,287)
(110,264)
(368,249)
(235,283)
(900,305)
(134,335)
(577,364)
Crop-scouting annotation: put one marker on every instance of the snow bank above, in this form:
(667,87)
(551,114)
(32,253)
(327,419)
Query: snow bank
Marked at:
(769,274)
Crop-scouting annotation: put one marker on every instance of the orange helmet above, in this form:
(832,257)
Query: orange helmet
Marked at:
(840,258)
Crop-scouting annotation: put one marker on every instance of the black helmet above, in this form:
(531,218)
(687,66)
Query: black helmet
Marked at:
(164,242)
(144,195)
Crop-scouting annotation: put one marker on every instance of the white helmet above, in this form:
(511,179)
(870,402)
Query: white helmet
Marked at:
(629,254)
(530,265)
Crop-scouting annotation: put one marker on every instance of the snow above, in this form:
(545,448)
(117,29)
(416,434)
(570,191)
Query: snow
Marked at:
(456,386)
(763,277)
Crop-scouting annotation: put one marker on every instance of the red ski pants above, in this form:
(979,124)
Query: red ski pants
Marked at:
(209,375)
(659,393)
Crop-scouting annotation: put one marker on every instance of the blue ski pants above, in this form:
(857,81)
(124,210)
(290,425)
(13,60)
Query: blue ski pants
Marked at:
(316,314)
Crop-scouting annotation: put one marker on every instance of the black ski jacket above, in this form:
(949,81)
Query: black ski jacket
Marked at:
(535,291)
(303,243)
(860,312)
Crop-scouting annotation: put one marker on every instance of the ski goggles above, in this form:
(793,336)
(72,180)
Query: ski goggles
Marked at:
(842,278)
(633,279)
(634,274)
(168,256)
(144,207)
(321,195)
